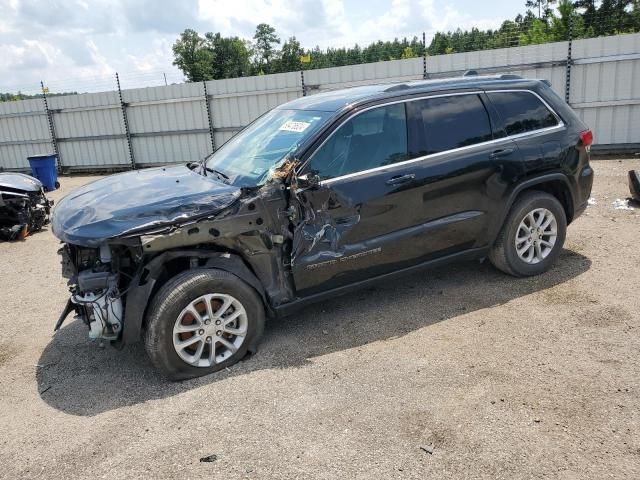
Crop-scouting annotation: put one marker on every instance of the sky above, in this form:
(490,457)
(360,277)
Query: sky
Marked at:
(80,44)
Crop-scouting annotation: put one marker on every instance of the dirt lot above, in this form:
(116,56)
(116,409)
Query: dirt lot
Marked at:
(500,378)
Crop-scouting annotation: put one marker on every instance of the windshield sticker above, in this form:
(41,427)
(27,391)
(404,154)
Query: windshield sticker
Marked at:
(291,126)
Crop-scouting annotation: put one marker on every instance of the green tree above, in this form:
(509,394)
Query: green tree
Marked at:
(560,25)
(439,44)
(537,34)
(354,55)
(589,16)
(289,57)
(230,56)
(265,40)
(544,7)
(215,56)
(615,16)
(12,97)
(191,55)
(634,16)
(408,53)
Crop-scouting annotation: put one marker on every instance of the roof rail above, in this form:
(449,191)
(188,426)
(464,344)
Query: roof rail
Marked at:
(395,88)
(504,76)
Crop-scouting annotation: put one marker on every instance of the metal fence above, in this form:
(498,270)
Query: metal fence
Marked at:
(131,128)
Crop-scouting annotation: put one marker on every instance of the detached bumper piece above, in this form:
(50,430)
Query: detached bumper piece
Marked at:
(70,307)
(634,185)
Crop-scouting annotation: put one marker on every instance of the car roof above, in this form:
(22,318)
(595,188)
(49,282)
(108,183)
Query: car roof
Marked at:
(335,100)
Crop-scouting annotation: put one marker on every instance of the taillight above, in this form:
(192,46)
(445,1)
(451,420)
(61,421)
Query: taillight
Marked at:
(586,138)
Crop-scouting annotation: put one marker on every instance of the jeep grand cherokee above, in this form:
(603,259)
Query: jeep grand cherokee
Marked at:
(322,195)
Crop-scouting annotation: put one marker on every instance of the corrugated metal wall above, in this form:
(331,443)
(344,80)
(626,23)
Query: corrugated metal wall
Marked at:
(365,74)
(533,61)
(173,124)
(167,124)
(89,130)
(24,131)
(237,102)
(605,87)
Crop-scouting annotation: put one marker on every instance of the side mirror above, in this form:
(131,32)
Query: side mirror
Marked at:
(310,180)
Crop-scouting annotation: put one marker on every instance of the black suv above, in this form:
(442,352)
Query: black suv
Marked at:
(317,197)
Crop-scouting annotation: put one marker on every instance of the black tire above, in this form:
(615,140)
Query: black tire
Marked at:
(176,295)
(57,185)
(503,254)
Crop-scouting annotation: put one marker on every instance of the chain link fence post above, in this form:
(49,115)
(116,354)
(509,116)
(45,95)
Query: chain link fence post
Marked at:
(209,119)
(123,107)
(425,75)
(304,90)
(567,87)
(52,128)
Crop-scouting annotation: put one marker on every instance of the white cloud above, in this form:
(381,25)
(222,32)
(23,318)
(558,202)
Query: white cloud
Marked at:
(28,55)
(80,44)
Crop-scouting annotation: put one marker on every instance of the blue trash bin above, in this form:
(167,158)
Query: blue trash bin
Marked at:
(43,167)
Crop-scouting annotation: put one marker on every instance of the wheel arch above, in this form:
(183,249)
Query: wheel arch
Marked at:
(166,266)
(559,189)
(556,184)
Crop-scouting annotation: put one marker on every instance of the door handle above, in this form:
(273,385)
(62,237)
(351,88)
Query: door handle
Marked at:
(503,152)
(398,179)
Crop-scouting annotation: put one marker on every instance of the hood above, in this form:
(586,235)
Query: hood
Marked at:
(137,201)
(19,181)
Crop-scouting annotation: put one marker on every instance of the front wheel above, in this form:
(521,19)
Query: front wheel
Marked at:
(202,321)
(532,236)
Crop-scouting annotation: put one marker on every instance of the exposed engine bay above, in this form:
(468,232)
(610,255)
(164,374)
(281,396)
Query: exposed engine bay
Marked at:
(24,208)
(94,276)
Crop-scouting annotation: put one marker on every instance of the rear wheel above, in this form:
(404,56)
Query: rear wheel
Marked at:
(201,322)
(532,236)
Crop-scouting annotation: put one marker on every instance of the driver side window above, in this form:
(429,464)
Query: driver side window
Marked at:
(375,138)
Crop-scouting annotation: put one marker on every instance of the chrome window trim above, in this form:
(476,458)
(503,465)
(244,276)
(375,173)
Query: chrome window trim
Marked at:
(541,131)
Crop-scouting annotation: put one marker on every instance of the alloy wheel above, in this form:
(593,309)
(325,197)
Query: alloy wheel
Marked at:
(536,235)
(210,330)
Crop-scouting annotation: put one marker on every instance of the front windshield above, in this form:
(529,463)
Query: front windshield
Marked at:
(246,159)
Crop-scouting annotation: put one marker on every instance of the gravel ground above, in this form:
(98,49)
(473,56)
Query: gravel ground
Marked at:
(461,372)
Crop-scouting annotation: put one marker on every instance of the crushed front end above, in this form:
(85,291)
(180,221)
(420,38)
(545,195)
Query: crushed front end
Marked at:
(124,236)
(24,208)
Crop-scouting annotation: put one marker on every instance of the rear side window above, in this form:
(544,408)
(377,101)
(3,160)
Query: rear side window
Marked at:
(521,112)
(445,123)
(372,139)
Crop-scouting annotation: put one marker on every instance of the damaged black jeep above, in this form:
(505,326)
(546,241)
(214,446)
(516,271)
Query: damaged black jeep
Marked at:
(320,196)
(24,208)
